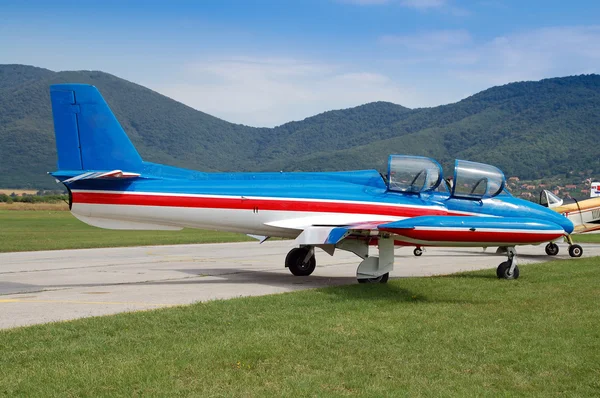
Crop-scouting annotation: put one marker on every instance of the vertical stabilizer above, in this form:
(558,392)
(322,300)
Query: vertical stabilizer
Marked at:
(88,135)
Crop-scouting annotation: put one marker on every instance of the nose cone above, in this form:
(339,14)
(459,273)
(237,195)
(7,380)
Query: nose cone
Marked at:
(559,219)
(515,207)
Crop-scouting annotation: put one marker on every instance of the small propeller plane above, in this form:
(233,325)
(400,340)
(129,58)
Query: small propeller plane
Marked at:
(584,214)
(110,186)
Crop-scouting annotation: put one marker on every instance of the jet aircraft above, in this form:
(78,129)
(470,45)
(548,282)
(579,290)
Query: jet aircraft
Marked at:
(110,186)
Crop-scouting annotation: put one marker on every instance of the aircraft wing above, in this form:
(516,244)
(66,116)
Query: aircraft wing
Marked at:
(583,228)
(438,231)
(585,214)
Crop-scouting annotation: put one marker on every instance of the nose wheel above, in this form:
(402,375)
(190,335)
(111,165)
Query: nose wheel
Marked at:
(418,251)
(509,269)
(575,251)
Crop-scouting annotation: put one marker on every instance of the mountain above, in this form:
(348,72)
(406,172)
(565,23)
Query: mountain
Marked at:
(529,129)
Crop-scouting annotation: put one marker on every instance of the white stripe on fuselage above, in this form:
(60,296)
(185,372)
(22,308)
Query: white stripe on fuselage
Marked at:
(233,220)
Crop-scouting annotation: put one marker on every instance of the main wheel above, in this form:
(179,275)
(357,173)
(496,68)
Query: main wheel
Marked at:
(502,271)
(575,251)
(295,261)
(380,279)
(418,251)
(552,249)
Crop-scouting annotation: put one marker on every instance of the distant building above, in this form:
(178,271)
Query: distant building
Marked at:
(513,179)
(571,186)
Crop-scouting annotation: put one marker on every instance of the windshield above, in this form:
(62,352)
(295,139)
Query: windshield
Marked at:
(548,199)
(474,180)
(413,174)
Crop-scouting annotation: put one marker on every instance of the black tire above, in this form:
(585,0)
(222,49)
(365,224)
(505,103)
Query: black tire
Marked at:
(502,271)
(575,251)
(418,251)
(552,249)
(380,279)
(295,262)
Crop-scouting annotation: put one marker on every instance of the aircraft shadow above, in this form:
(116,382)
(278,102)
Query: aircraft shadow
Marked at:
(346,287)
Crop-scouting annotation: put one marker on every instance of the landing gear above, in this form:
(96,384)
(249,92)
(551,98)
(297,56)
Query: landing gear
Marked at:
(301,261)
(418,251)
(380,279)
(575,251)
(509,269)
(552,249)
(377,269)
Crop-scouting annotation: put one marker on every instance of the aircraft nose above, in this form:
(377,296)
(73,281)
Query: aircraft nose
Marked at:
(561,220)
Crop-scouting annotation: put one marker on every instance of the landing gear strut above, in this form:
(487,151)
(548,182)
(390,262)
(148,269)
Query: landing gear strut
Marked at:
(509,269)
(377,269)
(552,249)
(301,261)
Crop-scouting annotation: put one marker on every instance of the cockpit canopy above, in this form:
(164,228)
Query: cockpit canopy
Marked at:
(413,174)
(417,174)
(476,180)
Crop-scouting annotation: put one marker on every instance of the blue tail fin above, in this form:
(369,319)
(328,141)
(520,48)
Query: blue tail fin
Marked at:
(88,135)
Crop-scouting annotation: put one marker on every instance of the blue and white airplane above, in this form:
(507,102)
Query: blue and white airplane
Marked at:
(110,186)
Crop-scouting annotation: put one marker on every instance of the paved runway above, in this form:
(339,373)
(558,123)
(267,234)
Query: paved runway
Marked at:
(39,287)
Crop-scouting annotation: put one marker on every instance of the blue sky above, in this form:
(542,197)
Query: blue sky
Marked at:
(263,63)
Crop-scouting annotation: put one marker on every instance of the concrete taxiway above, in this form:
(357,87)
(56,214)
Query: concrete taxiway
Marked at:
(46,286)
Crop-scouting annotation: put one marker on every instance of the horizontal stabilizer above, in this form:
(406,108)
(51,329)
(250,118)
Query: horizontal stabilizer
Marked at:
(106,175)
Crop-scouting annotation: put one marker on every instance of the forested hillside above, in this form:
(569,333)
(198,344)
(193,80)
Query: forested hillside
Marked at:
(529,129)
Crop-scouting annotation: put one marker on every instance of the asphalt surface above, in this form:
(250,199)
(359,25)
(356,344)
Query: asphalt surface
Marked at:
(47,286)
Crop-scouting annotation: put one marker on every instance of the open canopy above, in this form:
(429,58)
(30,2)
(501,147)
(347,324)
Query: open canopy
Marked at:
(476,180)
(417,174)
(413,174)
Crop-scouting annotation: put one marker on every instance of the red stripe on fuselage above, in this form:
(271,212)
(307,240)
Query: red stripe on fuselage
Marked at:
(477,236)
(250,204)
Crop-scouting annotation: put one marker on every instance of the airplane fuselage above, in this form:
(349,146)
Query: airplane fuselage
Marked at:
(274,204)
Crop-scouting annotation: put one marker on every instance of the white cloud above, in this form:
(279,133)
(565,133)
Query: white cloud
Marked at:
(537,54)
(272,91)
(425,69)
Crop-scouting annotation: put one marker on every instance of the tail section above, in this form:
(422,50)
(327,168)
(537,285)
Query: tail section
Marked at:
(88,135)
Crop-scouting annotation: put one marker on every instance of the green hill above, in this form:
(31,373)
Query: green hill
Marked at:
(530,129)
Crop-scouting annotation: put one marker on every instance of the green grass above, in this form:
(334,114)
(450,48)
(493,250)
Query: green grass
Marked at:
(53,230)
(460,335)
(587,238)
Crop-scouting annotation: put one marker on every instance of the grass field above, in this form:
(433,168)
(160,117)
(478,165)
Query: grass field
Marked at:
(587,238)
(460,335)
(52,230)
